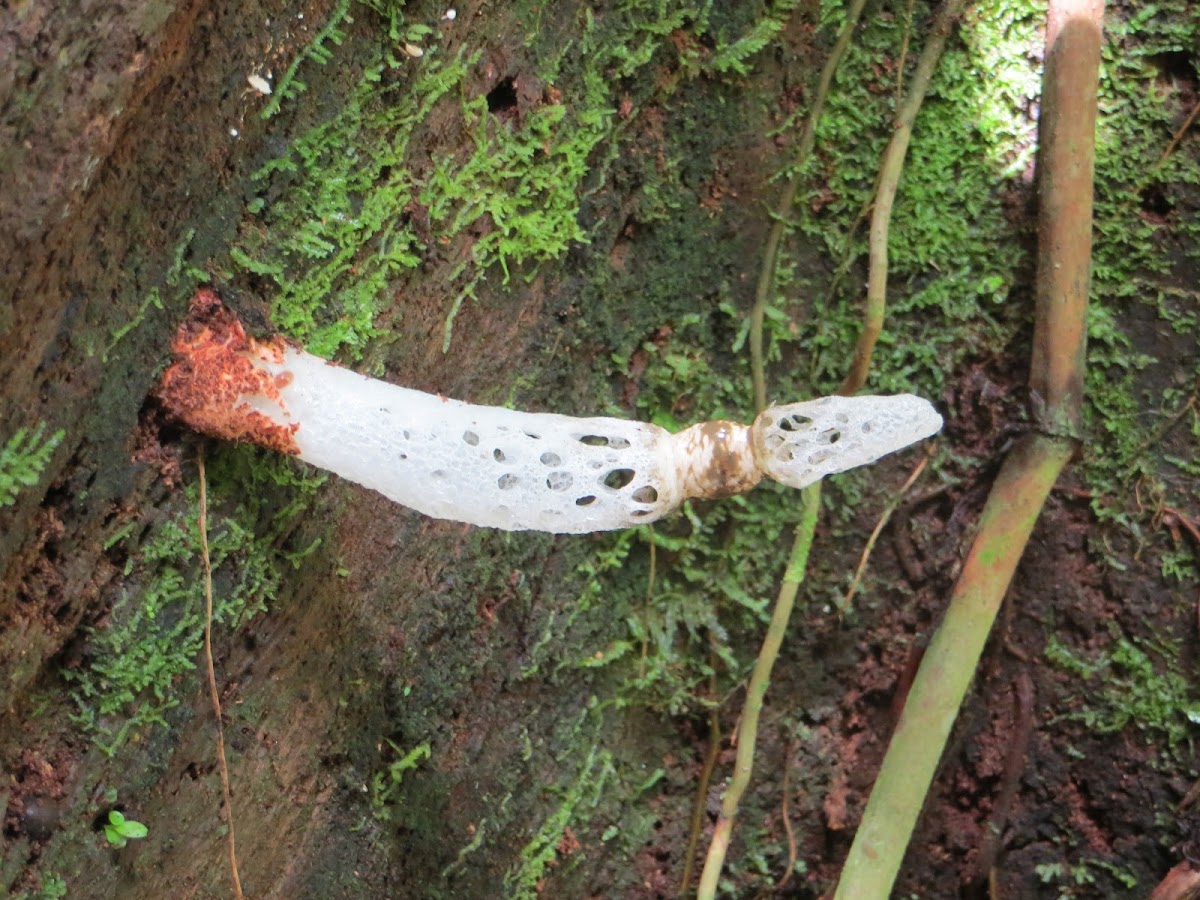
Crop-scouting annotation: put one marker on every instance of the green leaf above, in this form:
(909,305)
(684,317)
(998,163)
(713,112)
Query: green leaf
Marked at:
(134,830)
(119,831)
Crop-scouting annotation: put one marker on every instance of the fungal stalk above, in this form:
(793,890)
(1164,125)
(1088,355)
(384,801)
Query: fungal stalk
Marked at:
(502,468)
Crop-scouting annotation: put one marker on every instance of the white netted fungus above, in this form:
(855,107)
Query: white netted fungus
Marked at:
(502,468)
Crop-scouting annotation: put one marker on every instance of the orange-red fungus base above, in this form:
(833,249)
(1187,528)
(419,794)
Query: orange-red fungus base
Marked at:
(214,372)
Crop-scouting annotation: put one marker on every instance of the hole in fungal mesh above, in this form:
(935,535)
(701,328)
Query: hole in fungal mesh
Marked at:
(550,459)
(498,455)
(831,436)
(585,501)
(619,478)
(794,422)
(471,438)
(618,443)
(815,459)
(559,481)
(507,481)
(646,494)
(866,427)
(594,440)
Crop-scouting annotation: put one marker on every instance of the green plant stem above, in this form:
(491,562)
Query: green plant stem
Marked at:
(747,735)
(766,276)
(1067,136)
(1028,473)
(710,763)
(885,196)
(941,683)
(810,498)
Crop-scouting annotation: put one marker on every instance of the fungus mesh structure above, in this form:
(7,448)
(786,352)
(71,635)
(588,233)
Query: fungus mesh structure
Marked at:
(485,465)
(800,443)
(502,468)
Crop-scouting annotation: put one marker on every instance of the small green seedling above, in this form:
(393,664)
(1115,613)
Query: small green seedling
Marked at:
(120,831)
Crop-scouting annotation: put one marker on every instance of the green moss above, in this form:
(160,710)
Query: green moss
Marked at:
(1146,242)
(347,211)
(386,784)
(139,657)
(316,51)
(181,277)
(1085,877)
(953,255)
(733,56)
(53,887)
(542,850)
(1133,683)
(23,458)
(524,181)
(329,226)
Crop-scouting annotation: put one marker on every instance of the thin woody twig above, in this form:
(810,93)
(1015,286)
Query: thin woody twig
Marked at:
(766,277)
(1188,525)
(747,731)
(1178,136)
(787,824)
(908,20)
(888,511)
(214,695)
(710,763)
(885,197)
(1014,765)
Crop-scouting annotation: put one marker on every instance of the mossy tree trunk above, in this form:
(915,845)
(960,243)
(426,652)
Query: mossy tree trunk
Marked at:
(131,139)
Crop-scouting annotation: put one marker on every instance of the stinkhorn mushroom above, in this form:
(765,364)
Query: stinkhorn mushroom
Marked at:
(502,468)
